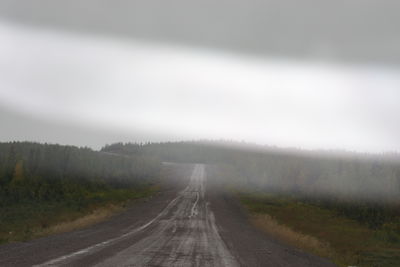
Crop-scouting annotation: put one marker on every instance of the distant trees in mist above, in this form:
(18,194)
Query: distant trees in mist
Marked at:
(362,187)
(44,172)
(349,176)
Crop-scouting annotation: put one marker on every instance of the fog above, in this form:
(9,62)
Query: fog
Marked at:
(280,115)
(132,86)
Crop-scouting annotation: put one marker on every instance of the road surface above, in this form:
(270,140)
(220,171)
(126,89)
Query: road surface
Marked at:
(196,226)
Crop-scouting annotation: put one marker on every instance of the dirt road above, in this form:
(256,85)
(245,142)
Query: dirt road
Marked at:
(196,226)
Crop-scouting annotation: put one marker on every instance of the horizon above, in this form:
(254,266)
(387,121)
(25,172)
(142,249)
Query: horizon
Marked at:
(200,133)
(233,144)
(59,84)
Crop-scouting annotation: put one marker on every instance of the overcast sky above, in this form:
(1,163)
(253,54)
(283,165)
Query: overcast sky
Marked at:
(345,30)
(175,92)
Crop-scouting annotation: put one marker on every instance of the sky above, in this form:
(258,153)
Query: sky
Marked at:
(345,30)
(143,90)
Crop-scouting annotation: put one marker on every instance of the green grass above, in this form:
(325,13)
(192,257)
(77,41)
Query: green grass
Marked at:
(27,220)
(351,242)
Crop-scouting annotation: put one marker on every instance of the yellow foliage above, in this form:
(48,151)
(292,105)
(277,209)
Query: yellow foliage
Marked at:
(18,172)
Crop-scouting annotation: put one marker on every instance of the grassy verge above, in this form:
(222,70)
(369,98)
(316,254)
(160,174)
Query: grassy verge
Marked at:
(321,231)
(24,221)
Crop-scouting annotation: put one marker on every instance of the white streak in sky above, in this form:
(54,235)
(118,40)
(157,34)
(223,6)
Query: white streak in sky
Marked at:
(195,93)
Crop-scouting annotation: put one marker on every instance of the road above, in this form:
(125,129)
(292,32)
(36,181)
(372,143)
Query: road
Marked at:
(196,226)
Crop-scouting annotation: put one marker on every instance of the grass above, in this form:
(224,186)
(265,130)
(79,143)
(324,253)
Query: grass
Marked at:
(289,236)
(95,216)
(25,221)
(321,231)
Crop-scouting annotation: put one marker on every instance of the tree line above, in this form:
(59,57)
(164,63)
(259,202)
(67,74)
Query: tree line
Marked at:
(32,172)
(363,187)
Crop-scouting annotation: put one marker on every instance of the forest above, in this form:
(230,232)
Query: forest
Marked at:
(42,184)
(363,187)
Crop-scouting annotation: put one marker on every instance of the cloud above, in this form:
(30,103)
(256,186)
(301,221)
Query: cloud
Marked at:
(192,93)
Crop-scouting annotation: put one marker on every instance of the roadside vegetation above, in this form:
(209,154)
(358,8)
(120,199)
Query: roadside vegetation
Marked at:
(340,205)
(324,231)
(52,188)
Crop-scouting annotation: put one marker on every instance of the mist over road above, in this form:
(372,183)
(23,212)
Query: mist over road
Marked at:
(197,226)
(184,234)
